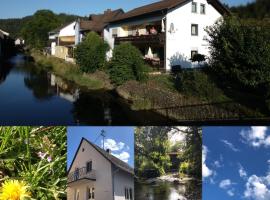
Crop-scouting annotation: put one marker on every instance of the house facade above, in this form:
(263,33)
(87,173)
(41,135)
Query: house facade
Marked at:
(169,32)
(95,23)
(62,41)
(97,174)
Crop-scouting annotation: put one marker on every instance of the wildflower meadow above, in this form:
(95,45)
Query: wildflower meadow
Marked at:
(32,163)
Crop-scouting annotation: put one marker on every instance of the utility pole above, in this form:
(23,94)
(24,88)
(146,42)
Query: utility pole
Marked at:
(103,136)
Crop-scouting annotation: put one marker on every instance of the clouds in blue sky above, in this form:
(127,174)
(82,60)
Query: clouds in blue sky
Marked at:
(236,163)
(119,149)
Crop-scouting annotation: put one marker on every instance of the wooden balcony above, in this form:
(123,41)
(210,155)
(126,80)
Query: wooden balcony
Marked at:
(81,174)
(153,40)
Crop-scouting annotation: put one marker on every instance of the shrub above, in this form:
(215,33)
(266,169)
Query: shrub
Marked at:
(199,84)
(184,168)
(198,58)
(240,52)
(91,53)
(127,64)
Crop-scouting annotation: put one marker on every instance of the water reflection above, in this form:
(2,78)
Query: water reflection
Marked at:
(34,97)
(190,190)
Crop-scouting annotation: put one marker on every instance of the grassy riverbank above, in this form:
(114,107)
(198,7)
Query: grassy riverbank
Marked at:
(71,72)
(187,97)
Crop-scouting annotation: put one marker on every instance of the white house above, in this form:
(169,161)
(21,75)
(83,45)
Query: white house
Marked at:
(97,174)
(168,32)
(63,41)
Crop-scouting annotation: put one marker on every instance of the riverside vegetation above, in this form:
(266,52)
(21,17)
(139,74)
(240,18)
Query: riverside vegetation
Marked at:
(235,84)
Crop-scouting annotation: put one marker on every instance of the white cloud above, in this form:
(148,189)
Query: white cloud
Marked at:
(225,184)
(242,172)
(217,164)
(230,145)
(230,193)
(258,188)
(256,136)
(113,145)
(124,156)
(206,172)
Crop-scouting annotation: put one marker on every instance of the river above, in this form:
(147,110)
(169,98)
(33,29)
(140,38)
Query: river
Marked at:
(190,190)
(29,96)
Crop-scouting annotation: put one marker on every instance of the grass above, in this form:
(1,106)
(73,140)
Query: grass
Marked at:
(71,72)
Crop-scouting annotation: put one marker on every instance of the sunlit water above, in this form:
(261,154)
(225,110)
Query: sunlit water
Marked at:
(168,191)
(33,97)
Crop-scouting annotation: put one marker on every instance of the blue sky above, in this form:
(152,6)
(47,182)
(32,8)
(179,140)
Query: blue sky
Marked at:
(20,8)
(119,139)
(236,163)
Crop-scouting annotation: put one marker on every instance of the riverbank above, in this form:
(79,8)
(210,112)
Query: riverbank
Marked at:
(69,71)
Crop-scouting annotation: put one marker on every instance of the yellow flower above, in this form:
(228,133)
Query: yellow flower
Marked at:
(14,190)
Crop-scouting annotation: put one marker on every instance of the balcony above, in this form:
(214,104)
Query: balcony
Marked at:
(151,39)
(81,174)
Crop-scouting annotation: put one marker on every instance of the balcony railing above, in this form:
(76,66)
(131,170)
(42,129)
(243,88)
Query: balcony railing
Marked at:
(158,39)
(81,174)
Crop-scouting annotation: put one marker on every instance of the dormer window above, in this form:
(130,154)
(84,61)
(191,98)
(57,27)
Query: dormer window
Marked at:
(203,9)
(194,7)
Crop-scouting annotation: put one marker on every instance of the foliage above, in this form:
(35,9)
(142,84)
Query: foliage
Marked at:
(91,53)
(184,168)
(198,58)
(152,147)
(198,83)
(127,64)
(35,31)
(258,9)
(14,26)
(240,52)
(36,156)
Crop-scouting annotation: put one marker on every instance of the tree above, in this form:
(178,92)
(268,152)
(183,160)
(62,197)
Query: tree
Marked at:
(240,52)
(152,147)
(35,31)
(127,64)
(91,53)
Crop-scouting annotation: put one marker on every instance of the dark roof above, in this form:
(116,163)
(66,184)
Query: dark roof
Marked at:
(164,5)
(115,161)
(97,22)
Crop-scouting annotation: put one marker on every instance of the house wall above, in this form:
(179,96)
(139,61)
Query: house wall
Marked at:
(122,180)
(103,183)
(60,52)
(123,31)
(180,43)
(69,30)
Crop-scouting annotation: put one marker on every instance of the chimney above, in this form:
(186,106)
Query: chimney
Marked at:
(108,151)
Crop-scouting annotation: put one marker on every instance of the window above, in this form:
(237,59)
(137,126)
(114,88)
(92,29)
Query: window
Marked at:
(194,29)
(89,166)
(203,9)
(90,193)
(128,194)
(193,53)
(115,32)
(194,7)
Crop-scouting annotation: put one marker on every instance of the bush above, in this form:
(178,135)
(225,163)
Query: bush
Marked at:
(91,53)
(240,52)
(184,168)
(198,83)
(127,64)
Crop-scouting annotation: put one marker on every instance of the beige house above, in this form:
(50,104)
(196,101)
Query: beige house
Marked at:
(97,174)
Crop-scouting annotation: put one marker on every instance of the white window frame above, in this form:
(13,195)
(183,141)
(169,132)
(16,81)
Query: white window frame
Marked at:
(114,35)
(91,193)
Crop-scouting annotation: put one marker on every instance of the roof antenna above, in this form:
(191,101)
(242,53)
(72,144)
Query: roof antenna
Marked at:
(103,135)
